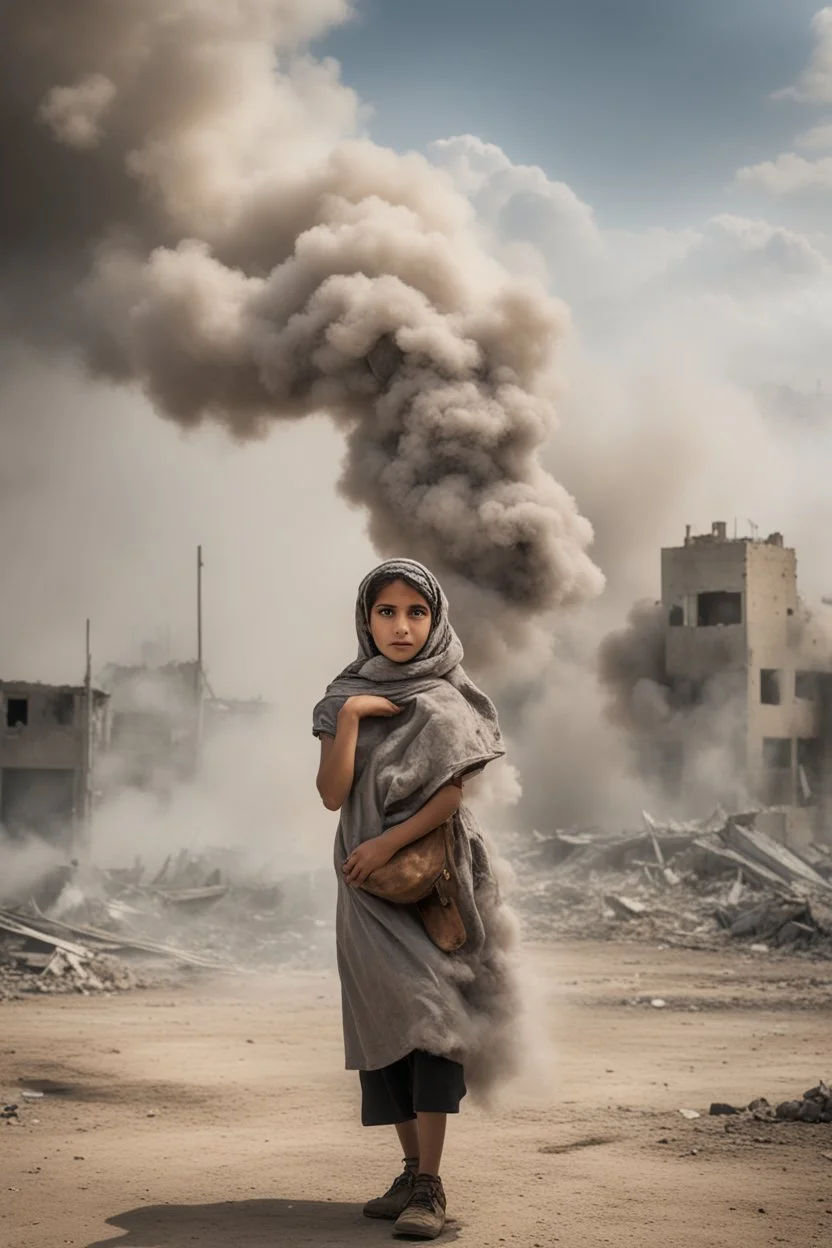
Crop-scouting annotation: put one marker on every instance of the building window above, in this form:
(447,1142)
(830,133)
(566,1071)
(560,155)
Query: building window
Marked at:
(777,771)
(769,687)
(717,608)
(777,753)
(806,686)
(676,618)
(63,709)
(809,770)
(17,712)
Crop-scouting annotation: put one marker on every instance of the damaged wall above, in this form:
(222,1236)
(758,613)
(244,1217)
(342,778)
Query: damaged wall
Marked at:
(717,685)
(47,753)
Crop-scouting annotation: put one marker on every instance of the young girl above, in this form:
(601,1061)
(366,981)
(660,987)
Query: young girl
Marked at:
(400,730)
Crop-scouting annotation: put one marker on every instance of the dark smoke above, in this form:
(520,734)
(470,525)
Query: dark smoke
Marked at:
(184,206)
(684,736)
(631,667)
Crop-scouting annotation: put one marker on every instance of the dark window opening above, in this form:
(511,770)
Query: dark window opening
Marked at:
(17,712)
(777,771)
(777,753)
(38,801)
(63,708)
(769,687)
(809,770)
(676,617)
(806,686)
(717,608)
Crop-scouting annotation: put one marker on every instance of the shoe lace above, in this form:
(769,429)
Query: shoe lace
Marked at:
(405,1179)
(426,1192)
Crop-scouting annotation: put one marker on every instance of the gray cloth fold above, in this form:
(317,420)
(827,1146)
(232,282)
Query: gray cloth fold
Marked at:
(399,992)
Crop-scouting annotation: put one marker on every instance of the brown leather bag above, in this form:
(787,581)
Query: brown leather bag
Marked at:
(423,874)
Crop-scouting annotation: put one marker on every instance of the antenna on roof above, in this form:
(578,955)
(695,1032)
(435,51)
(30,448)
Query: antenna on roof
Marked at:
(755,529)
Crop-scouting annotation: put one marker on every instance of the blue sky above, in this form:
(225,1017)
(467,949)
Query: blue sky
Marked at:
(645,107)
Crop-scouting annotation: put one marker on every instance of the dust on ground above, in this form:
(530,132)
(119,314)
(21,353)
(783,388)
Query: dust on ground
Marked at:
(219,1114)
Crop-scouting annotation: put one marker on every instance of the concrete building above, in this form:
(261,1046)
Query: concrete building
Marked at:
(734,622)
(48,749)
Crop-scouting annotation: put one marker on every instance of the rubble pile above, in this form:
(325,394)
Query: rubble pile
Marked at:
(814,1106)
(192,914)
(695,885)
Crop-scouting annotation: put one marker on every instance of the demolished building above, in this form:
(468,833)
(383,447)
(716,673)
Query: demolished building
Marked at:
(733,620)
(51,737)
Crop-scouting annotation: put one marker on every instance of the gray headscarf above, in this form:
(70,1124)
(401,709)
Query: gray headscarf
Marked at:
(424,678)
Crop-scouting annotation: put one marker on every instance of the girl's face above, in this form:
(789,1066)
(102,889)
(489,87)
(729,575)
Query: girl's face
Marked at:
(400,622)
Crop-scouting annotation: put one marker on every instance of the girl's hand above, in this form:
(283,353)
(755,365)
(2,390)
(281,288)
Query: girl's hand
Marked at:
(366,704)
(364,860)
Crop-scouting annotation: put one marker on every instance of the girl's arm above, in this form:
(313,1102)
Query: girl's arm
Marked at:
(380,849)
(440,807)
(337,766)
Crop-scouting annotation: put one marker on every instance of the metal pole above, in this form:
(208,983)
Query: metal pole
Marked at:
(88,729)
(199,566)
(200,680)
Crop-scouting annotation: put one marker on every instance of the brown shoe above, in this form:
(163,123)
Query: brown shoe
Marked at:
(391,1204)
(424,1216)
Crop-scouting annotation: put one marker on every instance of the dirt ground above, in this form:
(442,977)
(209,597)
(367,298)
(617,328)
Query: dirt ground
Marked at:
(220,1115)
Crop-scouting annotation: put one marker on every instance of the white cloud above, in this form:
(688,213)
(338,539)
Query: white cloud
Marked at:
(540,225)
(819,136)
(732,252)
(789,174)
(814,86)
(533,223)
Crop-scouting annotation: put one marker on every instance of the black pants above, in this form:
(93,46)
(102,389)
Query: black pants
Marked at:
(419,1083)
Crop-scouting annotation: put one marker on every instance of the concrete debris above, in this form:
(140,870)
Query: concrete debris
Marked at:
(813,1107)
(693,885)
(625,907)
(120,932)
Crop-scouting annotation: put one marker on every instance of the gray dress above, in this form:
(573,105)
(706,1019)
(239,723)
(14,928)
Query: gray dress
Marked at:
(399,991)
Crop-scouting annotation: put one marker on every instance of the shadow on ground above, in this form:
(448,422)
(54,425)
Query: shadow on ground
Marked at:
(250,1224)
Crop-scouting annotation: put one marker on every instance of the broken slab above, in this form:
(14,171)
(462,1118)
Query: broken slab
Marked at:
(776,858)
(625,907)
(713,857)
(8,923)
(115,942)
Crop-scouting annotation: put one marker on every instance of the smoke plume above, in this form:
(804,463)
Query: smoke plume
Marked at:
(186,206)
(703,719)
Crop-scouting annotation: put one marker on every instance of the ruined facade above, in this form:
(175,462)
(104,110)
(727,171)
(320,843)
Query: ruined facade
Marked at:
(733,621)
(156,724)
(50,741)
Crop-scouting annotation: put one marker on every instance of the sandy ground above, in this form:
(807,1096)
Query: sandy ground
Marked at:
(220,1115)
